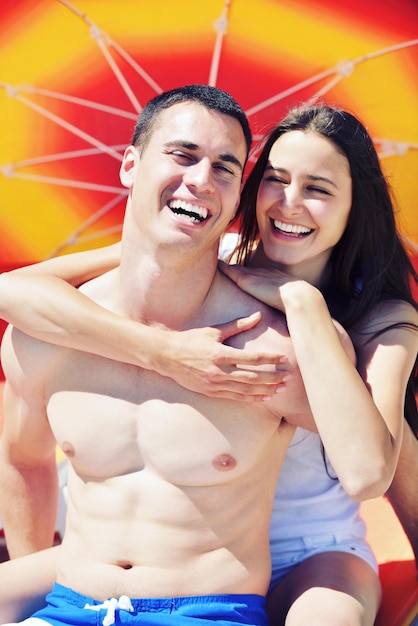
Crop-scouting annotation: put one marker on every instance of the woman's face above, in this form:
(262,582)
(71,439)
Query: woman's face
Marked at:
(303,203)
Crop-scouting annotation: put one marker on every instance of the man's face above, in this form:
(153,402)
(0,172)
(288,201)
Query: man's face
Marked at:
(185,184)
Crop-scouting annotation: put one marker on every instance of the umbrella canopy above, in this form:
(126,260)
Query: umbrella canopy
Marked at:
(74,76)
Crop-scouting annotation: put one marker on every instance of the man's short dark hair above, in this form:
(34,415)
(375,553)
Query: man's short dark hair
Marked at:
(209,97)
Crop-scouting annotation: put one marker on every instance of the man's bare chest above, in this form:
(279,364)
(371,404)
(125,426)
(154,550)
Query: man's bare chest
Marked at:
(113,419)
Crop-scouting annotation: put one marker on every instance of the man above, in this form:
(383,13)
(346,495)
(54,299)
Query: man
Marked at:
(164,486)
(169,491)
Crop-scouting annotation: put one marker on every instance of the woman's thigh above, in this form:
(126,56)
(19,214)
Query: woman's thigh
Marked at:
(332,588)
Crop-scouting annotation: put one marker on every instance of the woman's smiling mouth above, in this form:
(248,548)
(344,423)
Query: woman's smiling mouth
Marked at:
(293,230)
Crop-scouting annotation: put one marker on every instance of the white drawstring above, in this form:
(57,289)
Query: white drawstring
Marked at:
(123,603)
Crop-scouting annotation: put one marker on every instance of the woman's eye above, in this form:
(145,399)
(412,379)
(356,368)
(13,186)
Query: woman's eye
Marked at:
(275,179)
(319,190)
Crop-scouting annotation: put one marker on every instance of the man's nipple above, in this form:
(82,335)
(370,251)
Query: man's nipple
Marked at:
(224,462)
(68,449)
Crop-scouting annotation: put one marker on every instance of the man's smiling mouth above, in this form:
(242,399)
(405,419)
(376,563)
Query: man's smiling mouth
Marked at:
(291,229)
(191,212)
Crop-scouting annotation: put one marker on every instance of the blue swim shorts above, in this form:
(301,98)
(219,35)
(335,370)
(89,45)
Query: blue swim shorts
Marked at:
(66,607)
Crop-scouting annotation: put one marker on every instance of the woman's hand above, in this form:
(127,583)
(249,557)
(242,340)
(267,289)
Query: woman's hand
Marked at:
(263,284)
(198,360)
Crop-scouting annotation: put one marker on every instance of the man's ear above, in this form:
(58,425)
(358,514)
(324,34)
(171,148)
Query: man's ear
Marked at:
(128,167)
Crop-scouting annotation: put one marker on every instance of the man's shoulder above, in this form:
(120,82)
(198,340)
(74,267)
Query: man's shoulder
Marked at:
(271,331)
(26,360)
(103,289)
(239,303)
(23,346)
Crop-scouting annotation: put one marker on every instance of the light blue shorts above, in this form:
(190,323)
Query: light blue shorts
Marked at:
(66,607)
(287,554)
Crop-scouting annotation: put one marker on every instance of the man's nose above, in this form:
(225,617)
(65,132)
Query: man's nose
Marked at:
(200,176)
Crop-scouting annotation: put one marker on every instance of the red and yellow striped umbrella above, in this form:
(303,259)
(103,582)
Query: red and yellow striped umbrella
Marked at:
(74,76)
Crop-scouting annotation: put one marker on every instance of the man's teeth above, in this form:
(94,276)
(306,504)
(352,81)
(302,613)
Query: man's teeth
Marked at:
(291,228)
(193,212)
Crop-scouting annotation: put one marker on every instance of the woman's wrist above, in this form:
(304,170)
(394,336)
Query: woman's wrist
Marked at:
(300,295)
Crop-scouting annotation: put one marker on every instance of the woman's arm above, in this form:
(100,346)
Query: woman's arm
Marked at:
(24,583)
(76,268)
(41,301)
(358,412)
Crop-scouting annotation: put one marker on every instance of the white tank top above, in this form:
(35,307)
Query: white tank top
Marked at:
(309,500)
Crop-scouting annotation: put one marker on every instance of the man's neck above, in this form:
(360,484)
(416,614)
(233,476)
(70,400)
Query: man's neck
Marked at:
(155,290)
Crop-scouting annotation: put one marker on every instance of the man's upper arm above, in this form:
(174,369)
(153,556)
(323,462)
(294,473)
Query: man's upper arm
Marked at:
(26,436)
(28,474)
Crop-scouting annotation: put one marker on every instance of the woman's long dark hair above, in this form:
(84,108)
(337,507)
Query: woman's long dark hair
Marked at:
(370,262)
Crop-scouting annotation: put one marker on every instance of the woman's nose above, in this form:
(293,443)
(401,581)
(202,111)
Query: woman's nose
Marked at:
(292,199)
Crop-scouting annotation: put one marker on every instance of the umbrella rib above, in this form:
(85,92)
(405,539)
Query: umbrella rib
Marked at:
(90,104)
(221,27)
(73,238)
(118,73)
(383,51)
(345,68)
(394,148)
(334,81)
(290,91)
(99,35)
(85,239)
(60,156)
(342,70)
(70,127)
(8,172)
(100,233)
(139,70)
(99,213)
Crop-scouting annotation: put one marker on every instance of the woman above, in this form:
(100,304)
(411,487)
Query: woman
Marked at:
(351,265)
(318,238)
